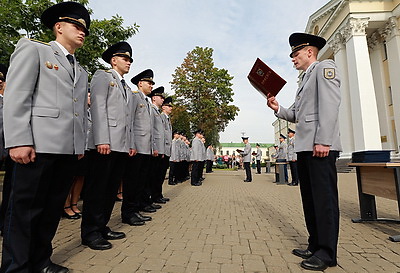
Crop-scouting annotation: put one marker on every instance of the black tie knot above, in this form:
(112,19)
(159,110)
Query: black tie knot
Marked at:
(71,59)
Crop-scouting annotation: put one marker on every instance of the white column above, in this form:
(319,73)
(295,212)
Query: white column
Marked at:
(362,93)
(393,53)
(347,135)
(375,45)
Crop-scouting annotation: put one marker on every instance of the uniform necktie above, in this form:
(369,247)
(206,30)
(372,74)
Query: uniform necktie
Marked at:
(124,86)
(71,61)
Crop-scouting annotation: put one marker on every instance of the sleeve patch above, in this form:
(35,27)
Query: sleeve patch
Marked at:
(329,73)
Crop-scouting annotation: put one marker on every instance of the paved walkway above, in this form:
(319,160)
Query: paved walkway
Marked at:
(230,226)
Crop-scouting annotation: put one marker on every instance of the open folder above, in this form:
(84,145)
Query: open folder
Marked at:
(264,79)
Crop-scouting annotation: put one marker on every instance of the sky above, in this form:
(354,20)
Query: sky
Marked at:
(239,31)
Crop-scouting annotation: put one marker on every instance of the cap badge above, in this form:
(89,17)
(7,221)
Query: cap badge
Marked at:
(55,67)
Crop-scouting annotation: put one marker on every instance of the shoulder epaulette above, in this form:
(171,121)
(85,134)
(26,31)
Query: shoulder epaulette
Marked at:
(135,92)
(108,71)
(40,42)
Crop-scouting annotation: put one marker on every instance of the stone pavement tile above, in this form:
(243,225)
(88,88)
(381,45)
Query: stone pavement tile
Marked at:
(192,267)
(200,257)
(241,249)
(153,264)
(99,269)
(231,268)
(211,266)
(174,269)
(180,258)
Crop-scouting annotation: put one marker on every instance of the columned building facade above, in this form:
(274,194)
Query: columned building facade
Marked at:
(364,40)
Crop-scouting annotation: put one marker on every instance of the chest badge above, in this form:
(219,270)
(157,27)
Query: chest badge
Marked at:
(49,65)
(112,84)
(329,73)
(55,67)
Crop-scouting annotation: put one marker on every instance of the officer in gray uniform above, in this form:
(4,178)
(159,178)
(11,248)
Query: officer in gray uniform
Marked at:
(109,146)
(173,160)
(292,158)
(282,154)
(45,104)
(258,158)
(316,114)
(157,98)
(196,158)
(166,112)
(246,154)
(136,178)
(209,158)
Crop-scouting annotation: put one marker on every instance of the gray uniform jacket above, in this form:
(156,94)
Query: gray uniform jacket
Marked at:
(167,134)
(109,111)
(282,151)
(316,108)
(174,151)
(291,153)
(158,131)
(210,154)
(182,150)
(259,154)
(197,150)
(3,151)
(246,153)
(142,123)
(44,104)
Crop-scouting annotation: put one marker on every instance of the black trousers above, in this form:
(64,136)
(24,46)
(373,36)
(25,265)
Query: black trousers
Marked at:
(172,172)
(248,170)
(201,168)
(38,193)
(8,167)
(209,164)
(155,177)
(319,193)
(293,171)
(101,187)
(163,172)
(258,162)
(136,184)
(195,175)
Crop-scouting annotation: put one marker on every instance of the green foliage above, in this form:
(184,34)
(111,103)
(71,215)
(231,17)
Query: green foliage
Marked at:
(205,93)
(22,18)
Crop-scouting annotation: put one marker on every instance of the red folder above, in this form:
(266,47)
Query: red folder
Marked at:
(264,79)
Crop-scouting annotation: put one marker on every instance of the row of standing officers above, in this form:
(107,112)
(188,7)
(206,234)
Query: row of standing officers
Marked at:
(127,136)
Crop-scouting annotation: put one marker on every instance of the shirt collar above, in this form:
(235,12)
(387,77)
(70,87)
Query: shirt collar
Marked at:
(118,75)
(63,49)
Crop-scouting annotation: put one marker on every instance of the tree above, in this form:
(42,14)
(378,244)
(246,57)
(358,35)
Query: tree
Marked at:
(205,92)
(22,18)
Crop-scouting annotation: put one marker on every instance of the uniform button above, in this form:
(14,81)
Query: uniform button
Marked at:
(298,97)
(297,121)
(75,100)
(76,115)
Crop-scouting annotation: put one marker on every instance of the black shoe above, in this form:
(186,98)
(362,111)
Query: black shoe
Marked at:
(74,216)
(155,206)
(98,244)
(148,209)
(160,201)
(172,183)
(305,254)
(142,217)
(133,220)
(54,268)
(114,235)
(196,184)
(166,199)
(314,263)
(246,180)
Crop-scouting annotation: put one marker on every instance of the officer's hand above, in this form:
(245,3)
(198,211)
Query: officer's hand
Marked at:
(321,150)
(23,154)
(104,149)
(272,103)
(80,156)
(155,153)
(132,152)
